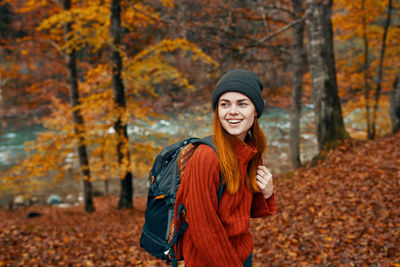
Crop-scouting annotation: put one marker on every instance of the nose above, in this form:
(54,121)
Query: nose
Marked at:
(233,110)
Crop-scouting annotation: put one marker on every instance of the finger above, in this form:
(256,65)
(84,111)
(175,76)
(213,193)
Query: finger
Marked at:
(267,173)
(261,179)
(269,178)
(260,185)
(263,168)
(261,171)
(266,176)
(261,174)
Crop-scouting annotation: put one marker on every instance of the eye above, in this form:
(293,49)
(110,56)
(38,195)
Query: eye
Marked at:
(243,104)
(223,104)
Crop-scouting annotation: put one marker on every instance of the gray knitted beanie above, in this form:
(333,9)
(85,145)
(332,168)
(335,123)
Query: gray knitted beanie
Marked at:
(241,81)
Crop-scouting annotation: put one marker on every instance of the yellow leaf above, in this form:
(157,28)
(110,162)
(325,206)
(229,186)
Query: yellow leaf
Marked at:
(351,236)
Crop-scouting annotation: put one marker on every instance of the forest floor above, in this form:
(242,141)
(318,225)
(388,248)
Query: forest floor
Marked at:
(344,211)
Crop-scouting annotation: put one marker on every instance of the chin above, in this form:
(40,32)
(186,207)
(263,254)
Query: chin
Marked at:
(237,134)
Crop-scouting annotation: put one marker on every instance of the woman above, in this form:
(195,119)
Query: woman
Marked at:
(218,233)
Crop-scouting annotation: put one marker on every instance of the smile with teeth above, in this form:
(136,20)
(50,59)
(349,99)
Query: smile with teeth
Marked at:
(234,121)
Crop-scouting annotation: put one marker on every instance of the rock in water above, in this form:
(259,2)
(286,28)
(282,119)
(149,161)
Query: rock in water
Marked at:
(53,199)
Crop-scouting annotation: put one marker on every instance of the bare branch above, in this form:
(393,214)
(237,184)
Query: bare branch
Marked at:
(56,46)
(281,30)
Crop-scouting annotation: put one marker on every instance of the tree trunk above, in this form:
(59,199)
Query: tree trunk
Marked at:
(380,70)
(104,169)
(79,127)
(395,104)
(125,200)
(328,112)
(367,88)
(182,19)
(297,65)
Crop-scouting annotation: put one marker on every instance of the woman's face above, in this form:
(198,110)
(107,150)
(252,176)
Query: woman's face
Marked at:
(236,113)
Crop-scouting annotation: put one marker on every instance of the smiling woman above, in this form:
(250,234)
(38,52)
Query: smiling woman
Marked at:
(218,231)
(236,113)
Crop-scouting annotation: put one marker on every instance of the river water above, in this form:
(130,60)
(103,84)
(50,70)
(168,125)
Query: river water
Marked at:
(275,123)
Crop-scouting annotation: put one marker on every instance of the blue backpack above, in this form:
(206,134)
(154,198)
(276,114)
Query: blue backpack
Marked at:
(159,234)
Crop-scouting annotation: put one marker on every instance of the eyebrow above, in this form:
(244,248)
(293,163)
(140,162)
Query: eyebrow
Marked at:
(239,100)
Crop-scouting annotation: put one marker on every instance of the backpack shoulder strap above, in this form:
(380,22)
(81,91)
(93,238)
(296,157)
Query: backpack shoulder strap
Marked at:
(206,141)
(220,189)
(210,142)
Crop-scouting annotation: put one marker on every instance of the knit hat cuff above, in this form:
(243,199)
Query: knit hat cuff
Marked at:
(243,87)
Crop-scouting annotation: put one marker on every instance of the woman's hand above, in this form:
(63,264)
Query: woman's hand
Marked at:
(264,181)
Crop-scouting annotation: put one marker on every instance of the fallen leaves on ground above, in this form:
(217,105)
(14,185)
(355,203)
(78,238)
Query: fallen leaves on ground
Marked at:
(71,237)
(343,212)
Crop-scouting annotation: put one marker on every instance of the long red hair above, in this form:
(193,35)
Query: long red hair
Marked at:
(228,160)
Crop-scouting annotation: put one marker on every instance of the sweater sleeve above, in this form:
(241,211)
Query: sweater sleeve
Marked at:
(205,227)
(262,207)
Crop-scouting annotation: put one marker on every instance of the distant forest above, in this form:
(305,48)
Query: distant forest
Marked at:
(80,68)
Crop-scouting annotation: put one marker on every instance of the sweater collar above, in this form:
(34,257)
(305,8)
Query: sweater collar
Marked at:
(244,151)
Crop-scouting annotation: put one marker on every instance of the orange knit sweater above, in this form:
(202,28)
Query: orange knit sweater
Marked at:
(218,235)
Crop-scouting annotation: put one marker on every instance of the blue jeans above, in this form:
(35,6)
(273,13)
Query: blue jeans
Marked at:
(249,261)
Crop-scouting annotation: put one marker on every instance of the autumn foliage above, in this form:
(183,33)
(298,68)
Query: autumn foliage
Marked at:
(343,212)
(144,73)
(359,31)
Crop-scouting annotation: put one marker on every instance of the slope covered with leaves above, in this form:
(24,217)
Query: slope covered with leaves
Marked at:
(344,211)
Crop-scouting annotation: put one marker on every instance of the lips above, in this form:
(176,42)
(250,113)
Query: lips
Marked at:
(234,121)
